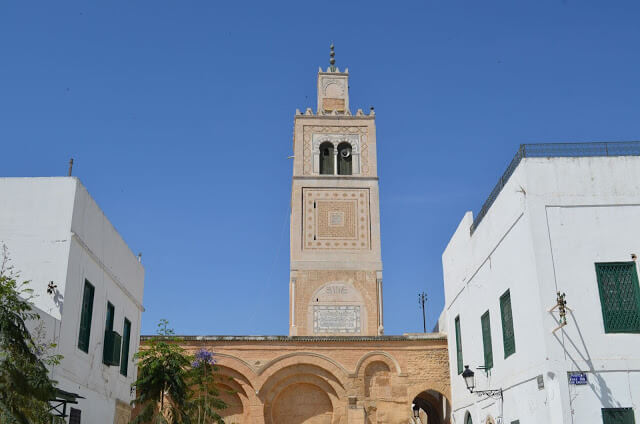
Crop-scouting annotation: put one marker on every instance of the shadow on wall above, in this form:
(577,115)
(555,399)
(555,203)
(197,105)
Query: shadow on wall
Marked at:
(599,388)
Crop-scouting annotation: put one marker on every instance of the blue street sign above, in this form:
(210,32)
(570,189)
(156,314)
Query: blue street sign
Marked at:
(577,378)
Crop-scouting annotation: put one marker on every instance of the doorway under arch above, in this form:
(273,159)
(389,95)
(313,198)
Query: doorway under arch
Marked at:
(432,407)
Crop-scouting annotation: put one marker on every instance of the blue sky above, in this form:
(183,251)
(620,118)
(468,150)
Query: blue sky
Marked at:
(179,116)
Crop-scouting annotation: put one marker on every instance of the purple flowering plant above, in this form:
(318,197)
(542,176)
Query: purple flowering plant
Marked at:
(203,357)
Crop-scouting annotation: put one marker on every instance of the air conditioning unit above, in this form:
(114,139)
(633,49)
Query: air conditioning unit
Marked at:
(111,352)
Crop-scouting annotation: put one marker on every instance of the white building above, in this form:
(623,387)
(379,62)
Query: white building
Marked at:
(55,232)
(563,218)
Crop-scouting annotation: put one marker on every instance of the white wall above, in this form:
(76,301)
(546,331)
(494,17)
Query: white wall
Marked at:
(35,219)
(73,242)
(552,221)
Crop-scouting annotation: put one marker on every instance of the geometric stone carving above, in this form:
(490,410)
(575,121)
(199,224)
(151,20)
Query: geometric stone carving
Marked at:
(314,135)
(336,219)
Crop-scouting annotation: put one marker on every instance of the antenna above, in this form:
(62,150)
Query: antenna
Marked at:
(70,166)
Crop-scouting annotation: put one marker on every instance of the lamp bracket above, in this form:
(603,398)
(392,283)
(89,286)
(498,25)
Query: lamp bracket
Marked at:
(494,394)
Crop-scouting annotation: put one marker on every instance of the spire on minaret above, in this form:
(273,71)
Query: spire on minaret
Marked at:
(332,59)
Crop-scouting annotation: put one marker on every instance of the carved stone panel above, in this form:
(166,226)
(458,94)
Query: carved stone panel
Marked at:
(336,219)
(314,135)
(336,319)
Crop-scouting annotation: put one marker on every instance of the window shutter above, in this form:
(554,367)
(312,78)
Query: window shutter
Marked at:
(508,337)
(124,359)
(617,416)
(458,345)
(85,317)
(619,296)
(468,420)
(486,341)
(74,416)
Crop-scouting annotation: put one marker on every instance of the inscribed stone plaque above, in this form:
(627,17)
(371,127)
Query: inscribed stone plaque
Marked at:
(336,319)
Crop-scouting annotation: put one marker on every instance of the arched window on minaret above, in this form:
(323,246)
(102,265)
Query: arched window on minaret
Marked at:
(326,158)
(344,159)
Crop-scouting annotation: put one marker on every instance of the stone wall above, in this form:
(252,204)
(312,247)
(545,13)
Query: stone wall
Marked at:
(314,380)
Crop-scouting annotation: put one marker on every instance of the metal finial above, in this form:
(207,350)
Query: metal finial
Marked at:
(332,59)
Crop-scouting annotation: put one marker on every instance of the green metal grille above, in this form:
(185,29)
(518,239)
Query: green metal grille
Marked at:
(619,296)
(458,345)
(486,341)
(126,336)
(85,318)
(617,416)
(508,337)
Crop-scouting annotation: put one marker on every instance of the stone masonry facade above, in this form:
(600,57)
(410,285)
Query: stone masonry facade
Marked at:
(328,380)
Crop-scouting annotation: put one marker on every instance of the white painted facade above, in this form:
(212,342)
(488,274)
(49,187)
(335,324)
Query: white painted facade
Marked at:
(55,231)
(553,220)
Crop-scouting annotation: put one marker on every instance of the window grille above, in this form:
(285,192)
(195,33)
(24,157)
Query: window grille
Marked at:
(486,341)
(508,337)
(74,416)
(619,296)
(124,359)
(617,416)
(459,345)
(85,317)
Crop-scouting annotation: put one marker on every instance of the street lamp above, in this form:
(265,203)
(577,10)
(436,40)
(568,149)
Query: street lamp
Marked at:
(470,382)
(469,378)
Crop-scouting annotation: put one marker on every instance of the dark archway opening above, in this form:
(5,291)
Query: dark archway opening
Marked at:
(432,408)
(344,159)
(326,159)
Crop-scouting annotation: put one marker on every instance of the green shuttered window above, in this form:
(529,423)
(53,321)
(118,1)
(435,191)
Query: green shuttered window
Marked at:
(85,317)
(617,416)
(124,358)
(619,296)
(468,419)
(458,344)
(486,340)
(508,338)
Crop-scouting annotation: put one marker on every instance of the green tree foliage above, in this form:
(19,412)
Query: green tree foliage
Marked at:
(25,387)
(174,387)
(162,388)
(205,399)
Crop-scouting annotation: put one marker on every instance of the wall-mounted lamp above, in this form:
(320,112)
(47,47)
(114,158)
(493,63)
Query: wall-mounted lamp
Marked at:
(470,381)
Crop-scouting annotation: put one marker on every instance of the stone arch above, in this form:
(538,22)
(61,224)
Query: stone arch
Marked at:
(380,356)
(326,151)
(357,146)
(328,380)
(311,358)
(310,383)
(377,380)
(236,411)
(235,389)
(332,295)
(344,159)
(301,403)
(433,405)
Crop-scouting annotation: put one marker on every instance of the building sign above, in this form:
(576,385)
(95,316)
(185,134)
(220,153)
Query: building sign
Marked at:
(336,319)
(577,378)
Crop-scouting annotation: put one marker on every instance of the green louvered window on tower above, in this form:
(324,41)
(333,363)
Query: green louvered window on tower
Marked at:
(617,416)
(468,419)
(458,345)
(486,340)
(508,338)
(619,296)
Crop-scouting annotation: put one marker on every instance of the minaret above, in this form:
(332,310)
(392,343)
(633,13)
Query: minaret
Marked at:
(336,266)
